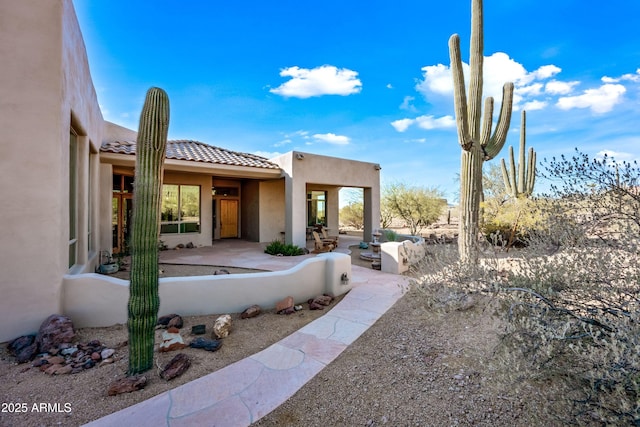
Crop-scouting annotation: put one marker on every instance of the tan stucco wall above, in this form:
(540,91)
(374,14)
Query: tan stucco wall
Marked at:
(272,215)
(45,86)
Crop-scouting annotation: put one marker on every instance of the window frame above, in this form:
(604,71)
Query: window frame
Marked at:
(181,225)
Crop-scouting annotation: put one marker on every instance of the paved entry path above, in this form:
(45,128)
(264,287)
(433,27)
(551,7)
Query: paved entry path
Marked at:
(245,391)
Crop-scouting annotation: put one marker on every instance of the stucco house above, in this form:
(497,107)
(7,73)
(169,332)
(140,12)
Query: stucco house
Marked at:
(68,175)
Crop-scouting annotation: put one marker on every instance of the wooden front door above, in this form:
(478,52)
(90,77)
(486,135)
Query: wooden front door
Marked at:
(228,218)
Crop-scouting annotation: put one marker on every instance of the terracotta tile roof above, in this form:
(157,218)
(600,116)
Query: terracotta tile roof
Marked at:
(195,151)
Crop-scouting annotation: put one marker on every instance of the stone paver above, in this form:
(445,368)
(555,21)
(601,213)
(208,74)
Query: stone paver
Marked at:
(247,390)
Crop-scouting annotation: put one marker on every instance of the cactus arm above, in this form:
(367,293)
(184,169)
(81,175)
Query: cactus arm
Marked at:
(459,93)
(514,184)
(505,176)
(476,61)
(531,171)
(521,154)
(504,120)
(487,122)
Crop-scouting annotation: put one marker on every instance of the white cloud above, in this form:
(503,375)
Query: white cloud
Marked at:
(600,100)
(406,104)
(534,105)
(425,122)
(546,71)
(402,124)
(283,142)
(617,155)
(430,122)
(498,69)
(555,87)
(267,154)
(332,138)
(389,86)
(437,79)
(534,89)
(628,77)
(537,89)
(324,80)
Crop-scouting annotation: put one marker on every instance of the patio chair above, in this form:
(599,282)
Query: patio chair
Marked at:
(333,239)
(322,245)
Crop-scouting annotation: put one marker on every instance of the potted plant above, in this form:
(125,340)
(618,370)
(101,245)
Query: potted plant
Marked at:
(108,267)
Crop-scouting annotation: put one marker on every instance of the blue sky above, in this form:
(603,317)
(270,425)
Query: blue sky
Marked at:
(369,80)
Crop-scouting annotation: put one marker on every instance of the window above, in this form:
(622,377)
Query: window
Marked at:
(73,196)
(180,209)
(316,208)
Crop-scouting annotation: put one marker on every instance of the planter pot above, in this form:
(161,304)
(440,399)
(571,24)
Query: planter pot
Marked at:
(108,268)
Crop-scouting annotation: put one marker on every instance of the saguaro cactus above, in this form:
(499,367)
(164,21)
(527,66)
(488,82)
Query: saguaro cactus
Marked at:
(143,290)
(520,182)
(476,140)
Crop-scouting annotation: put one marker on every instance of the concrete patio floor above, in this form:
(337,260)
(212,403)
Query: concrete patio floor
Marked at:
(244,392)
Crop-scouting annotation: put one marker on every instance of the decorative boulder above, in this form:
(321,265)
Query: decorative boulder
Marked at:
(198,329)
(205,344)
(323,299)
(222,326)
(315,306)
(284,305)
(165,320)
(53,332)
(127,385)
(171,340)
(176,367)
(24,348)
(252,311)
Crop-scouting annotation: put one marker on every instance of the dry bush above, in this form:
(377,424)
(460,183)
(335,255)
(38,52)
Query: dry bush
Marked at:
(572,303)
(570,299)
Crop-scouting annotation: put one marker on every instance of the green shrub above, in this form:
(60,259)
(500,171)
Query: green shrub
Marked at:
(500,234)
(389,235)
(278,248)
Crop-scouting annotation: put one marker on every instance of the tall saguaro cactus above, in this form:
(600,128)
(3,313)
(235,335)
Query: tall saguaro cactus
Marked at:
(144,300)
(474,133)
(520,182)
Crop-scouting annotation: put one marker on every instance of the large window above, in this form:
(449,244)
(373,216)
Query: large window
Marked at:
(316,208)
(180,209)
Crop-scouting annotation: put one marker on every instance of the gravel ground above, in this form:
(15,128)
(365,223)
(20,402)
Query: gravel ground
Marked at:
(417,367)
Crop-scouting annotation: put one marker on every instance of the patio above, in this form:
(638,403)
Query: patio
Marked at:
(244,254)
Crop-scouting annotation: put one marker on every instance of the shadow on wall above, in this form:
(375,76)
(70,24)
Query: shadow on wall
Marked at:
(95,300)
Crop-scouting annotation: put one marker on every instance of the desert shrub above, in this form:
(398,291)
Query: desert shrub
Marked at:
(283,249)
(572,304)
(570,300)
(389,235)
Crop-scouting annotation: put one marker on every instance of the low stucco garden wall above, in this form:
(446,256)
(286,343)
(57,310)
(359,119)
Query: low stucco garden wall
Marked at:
(95,300)
(396,257)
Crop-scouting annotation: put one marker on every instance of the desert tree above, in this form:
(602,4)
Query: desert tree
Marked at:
(417,206)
